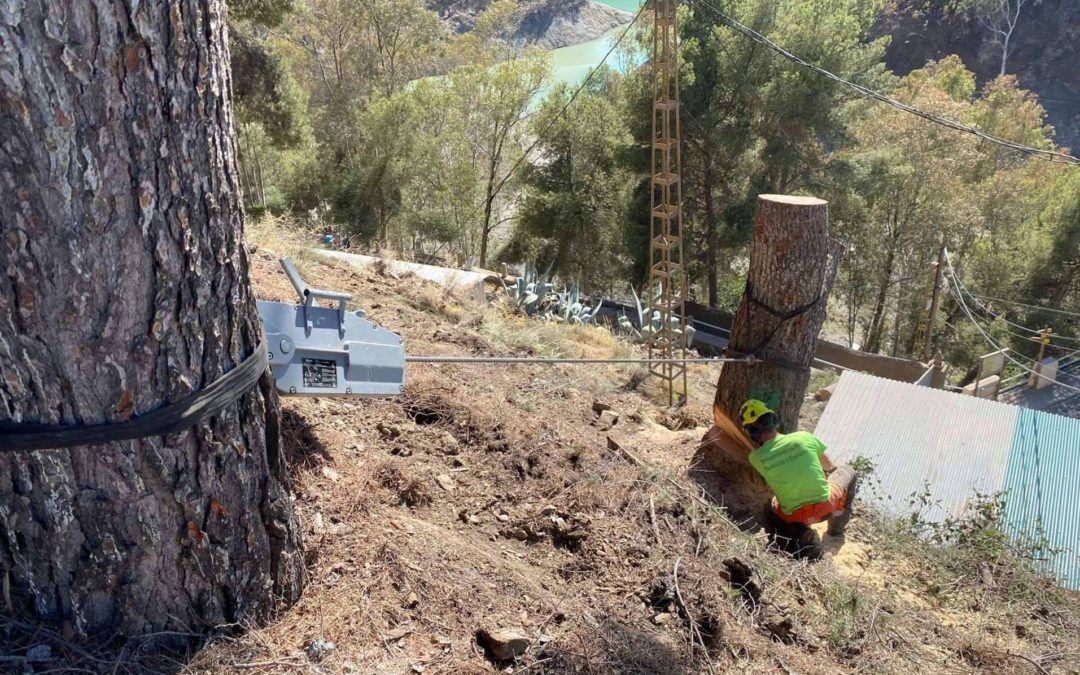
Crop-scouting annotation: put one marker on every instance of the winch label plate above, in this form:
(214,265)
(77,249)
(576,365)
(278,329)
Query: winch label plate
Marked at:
(320,373)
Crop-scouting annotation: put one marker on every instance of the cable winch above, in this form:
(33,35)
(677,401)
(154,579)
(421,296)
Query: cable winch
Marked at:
(329,351)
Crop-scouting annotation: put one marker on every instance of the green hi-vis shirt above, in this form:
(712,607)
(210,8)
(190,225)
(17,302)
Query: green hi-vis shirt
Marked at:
(790,465)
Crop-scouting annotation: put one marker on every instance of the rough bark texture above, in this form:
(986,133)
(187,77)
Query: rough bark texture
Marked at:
(792,264)
(124,286)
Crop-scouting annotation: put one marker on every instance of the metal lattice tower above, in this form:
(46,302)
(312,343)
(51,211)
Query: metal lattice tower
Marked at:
(667,277)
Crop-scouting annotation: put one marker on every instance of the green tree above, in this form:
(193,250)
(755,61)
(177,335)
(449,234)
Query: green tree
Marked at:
(575,189)
(442,149)
(915,185)
(912,178)
(494,101)
(269,105)
(752,121)
(354,50)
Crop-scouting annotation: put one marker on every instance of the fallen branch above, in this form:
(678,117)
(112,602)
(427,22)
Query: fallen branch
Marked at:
(685,489)
(616,446)
(652,520)
(1039,668)
(263,664)
(695,634)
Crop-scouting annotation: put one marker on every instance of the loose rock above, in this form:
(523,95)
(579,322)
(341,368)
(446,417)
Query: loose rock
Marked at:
(446,482)
(505,644)
(450,445)
(388,430)
(39,653)
(607,420)
(318,649)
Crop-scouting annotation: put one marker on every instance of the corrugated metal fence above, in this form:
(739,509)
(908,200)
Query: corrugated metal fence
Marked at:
(1042,484)
(953,447)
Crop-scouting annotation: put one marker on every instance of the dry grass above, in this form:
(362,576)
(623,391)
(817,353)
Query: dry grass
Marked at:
(548,529)
(490,497)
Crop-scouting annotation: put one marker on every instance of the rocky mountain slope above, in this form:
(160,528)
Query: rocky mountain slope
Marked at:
(1045,56)
(547,23)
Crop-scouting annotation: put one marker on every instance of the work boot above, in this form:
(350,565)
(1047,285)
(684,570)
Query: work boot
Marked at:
(838,524)
(808,545)
(795,539)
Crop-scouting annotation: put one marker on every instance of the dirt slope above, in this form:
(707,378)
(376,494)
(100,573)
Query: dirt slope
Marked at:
(488,498)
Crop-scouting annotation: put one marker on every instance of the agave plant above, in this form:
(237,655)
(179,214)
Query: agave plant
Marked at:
(627,326)
(581,315)
(532,292)
(650,325)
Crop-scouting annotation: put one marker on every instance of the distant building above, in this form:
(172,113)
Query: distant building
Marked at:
(1052,398)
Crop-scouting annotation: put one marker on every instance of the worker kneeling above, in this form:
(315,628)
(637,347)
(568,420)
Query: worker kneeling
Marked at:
(807,488)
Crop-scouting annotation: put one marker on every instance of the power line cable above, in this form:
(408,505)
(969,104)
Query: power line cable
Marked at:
(956,295)
(1006,352)
(1024,304)
(1032,333)
(1067,359)
(990,341)
(987,310)
(958,299)
(1029,334)
(1049,155)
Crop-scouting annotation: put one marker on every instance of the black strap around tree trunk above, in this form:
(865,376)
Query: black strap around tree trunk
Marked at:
(169,419)
(782,316)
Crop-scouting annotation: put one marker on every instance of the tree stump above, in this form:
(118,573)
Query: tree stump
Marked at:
(792,266)
(124,287)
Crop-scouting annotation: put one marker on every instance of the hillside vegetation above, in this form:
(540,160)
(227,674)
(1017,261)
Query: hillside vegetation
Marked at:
(492,497)
(378,122)
(1043,53)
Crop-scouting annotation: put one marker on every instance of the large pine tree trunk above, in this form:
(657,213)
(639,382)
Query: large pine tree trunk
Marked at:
(125,287)
(792,267)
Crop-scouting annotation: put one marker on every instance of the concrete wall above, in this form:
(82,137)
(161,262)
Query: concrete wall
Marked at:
(471,284)
(890,368)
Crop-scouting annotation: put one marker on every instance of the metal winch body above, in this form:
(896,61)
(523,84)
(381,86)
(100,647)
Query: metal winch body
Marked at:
(328,351)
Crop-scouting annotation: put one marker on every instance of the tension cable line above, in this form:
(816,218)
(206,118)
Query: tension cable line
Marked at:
(1034,333)
(1049,155)
(1052,310)
(955,294)
(558,360)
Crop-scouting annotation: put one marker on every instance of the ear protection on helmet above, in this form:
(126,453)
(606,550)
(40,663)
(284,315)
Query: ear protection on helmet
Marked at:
(766,422)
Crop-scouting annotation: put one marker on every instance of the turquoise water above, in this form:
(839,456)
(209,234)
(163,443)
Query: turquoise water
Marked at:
(624,5)
(571,64)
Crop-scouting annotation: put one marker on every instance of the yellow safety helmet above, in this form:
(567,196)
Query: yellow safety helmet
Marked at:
(752,411)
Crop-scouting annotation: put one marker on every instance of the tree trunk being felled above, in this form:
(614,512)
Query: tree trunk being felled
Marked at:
(124,287)
(792,266)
